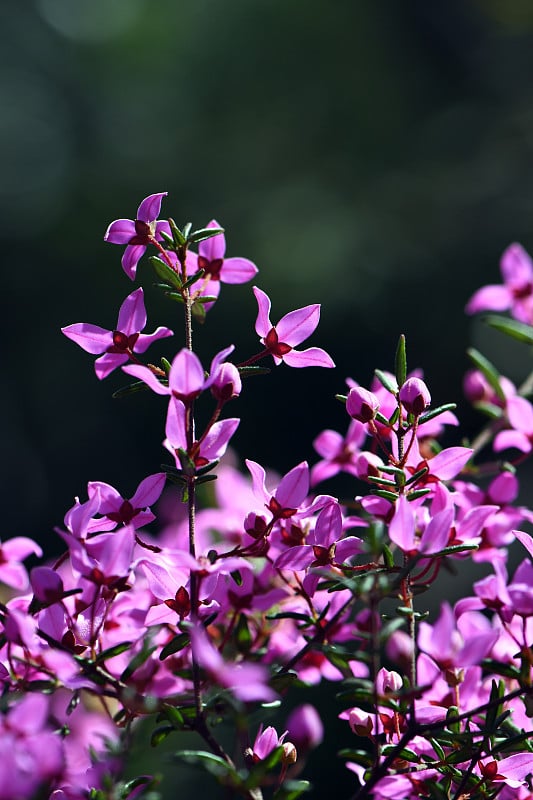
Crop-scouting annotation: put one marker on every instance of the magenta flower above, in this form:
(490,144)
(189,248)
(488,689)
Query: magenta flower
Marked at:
(339,453)
(186,379)
(12,552)
(118,345)
(209,447)
(218,269)
(138,233)
(266,742)
(117,510)
(292,329)
(515,294)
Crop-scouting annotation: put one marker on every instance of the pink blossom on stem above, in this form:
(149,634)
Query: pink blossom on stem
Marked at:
(516,292)
(138,233)
(292,329)
(118,346)
(339,453)
(217,268)
(12,553)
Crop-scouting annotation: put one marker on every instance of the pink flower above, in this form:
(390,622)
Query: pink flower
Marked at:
(137,234)
(265,742)
(516,293)
(292,329)
(12,552)
(217,268)
(118,345)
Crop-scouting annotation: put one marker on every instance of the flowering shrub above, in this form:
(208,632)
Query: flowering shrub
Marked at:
(277,585)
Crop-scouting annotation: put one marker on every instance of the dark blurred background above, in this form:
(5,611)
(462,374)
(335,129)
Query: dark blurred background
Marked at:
(376,157)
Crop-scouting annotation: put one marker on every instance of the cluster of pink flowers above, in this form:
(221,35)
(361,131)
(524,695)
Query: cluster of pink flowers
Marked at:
(229,605)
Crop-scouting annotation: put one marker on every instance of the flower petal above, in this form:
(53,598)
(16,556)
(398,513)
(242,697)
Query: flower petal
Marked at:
(132,314)
(312,357)
(237,270)
(298,325)
(150,207)
(262,324)
(92,338)
(120,231)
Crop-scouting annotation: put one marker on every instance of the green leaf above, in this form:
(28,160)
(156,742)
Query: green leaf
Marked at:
(488,370)
(214,764)
(198,312)
(174,646)
(247,372)
(291,790)
(436,411)
(205,479)
(160,733)
(165,272)
(400,361)
(148,781)
(203,233)
(111,652)
(243,637)
(387,381)
(179,237)
(143,655)
(511,327)
(342,397)
(174,716)
(133,388)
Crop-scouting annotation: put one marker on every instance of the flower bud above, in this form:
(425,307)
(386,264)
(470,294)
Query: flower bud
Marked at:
(360,722)
(388,681)
(367,464)
(361,404)
(255,525)
(415,396)
(227,383)
(290,755)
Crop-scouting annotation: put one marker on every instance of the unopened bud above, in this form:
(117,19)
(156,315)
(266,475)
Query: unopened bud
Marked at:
(415,396)
(367,464)
(360,722)
(289,754)
(255,525)
(361,404)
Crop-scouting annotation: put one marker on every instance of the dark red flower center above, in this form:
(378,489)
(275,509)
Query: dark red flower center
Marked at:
(125,513)
(211,268)
(122,343)
(143,233)
(274,346)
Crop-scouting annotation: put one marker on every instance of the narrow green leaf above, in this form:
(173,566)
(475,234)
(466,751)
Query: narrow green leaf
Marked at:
(487,369)
(436,411)
(179,237)
(174,646)
(139,659)
(160,733)
(247,372)
(198,312)
(133,388)
(342,397)
(387,381)
(291,790)
(511,327)
(165,272)
(400,361)
(212,763)
(111,652)
(203,233)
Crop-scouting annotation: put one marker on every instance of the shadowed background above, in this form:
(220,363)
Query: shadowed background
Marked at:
(376,157)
